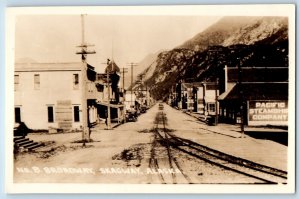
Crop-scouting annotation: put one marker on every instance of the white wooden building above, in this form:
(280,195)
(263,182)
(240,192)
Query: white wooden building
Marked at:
(49,95)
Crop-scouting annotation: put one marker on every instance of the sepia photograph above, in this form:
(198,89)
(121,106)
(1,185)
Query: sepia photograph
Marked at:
(151,99)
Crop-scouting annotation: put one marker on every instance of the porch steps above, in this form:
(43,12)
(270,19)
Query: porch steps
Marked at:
(26,143)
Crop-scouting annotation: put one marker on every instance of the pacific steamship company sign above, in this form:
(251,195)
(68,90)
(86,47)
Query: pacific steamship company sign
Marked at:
(268,113)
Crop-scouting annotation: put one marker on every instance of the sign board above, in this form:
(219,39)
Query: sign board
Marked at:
(63,114)
(267,112)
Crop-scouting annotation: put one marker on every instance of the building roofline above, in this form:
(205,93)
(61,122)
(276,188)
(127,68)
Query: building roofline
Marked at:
(44,67)
(254,67)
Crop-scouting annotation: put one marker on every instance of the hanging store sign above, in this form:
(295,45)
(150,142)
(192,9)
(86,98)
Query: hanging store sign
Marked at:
(267,113)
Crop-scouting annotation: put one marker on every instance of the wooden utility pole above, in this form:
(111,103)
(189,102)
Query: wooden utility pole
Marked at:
(204,101)
(108,117)
(241,98)
(217,108)
(84,109)
(108,120)
(124,70)
(131,87)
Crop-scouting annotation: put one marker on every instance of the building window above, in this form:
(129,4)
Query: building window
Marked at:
(75,81)
(100,88)
(50,114)
(17,81)
(17,114)
(36,81)
(211,107)
(76,114)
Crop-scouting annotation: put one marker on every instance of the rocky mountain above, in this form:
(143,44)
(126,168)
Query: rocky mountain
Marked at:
(145,66)
(249,41)
(217,33)
(238,30)
(266,29)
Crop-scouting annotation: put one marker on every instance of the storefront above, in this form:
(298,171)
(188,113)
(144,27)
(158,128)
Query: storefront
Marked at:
(117,111)
(263,104)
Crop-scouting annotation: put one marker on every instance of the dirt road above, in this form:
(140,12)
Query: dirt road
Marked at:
(129,153)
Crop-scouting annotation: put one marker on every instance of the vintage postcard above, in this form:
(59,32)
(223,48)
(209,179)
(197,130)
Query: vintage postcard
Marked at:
(150,99)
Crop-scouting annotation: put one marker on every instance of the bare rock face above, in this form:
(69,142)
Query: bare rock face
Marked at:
(260,30)
(250,41)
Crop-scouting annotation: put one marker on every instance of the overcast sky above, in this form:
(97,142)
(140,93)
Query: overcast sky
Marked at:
(53,38)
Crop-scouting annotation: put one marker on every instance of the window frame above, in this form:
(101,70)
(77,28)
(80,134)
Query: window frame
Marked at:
(76,81)
(20,114)
(16,82)
(76,113)
(48,114)
(37,81)
(210,105)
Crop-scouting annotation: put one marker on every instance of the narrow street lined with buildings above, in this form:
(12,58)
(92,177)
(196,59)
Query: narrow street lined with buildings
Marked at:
(122,155)
(203,112)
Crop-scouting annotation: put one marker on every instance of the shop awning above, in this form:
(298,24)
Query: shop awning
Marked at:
(230,86)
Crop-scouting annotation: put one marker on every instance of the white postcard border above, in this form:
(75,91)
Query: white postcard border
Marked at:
(207,10)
